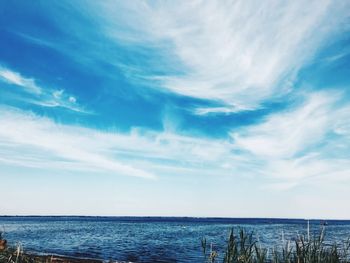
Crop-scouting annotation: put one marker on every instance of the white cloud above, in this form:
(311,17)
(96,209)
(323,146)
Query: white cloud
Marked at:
(284,135)
(240,52)
(72,99)
(286,150)
(17,79)
(58,93)
(42,143)
(41,139)
(37,94)
(219,110)
(303,144)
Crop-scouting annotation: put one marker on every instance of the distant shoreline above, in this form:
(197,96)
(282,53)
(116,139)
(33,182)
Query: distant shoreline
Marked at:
(184,219)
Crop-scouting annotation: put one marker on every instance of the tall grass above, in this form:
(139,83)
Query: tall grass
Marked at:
(242,247)
(15,255)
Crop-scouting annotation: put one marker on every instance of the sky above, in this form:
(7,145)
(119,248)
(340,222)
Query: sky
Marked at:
(175,108)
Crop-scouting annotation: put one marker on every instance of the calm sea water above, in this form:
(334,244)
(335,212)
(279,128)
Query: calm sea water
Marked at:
(144,239)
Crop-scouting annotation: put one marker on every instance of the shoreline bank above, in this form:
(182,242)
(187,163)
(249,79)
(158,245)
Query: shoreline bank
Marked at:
(15,255)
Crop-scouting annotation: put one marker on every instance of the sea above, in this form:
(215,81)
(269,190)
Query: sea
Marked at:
(152,239)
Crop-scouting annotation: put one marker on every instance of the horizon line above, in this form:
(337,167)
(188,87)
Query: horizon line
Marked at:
(183,217)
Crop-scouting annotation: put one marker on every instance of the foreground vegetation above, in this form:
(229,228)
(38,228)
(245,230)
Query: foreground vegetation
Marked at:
(16,255)
(242,247)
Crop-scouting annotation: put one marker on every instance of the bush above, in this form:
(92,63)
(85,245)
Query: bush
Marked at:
(244,248)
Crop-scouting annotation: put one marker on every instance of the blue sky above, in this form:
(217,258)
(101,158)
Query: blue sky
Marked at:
(200,108)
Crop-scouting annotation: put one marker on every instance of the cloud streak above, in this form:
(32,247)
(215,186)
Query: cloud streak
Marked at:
(285,150)
(38,95)
(238,53)
(140,153)
(301,144)
(15,78)
(41,139)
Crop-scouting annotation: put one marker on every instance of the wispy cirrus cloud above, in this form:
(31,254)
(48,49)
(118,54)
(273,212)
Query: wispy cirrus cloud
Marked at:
(285,150)
(139,153)
(301,144)
(36,94)
(238,53)
(219,110)
(16,78)
(286,134)
(42,141)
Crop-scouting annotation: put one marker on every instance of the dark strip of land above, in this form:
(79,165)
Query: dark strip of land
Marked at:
(12,255)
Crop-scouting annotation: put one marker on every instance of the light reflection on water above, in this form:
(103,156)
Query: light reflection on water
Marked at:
(148,239)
